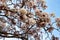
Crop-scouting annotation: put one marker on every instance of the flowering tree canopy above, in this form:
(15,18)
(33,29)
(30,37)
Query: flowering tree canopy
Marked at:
(19,21)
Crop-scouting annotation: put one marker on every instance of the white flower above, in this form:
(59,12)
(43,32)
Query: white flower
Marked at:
(38,12)
(30,3)
(25,17)
(32,21)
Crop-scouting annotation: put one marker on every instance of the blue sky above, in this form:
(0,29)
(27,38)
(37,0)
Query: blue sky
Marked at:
(53,6)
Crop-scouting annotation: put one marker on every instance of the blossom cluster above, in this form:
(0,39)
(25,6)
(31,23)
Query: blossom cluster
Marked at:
(20,19)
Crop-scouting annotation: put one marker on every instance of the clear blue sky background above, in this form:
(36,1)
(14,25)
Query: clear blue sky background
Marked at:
(53,6)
